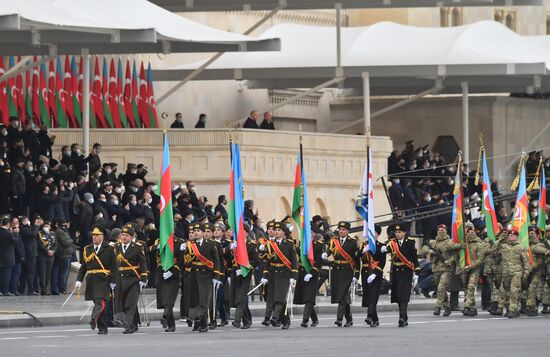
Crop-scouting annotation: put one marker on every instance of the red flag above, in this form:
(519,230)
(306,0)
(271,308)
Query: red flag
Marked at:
(128,96)
(44,107)
(153,119)
(20,102)
(35,91)
(68,92)
(51,95)
(113,95)
(96,98)
(142,99)
(80,81)
(4,107)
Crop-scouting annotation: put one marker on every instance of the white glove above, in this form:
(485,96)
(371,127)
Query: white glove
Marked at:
(228,280)
(233,245)
(167,274)
(371,278)
(264,281)
(216,282)
(112,285)
(366,249)
(383,249)
(261,248)
(238,272)
(354,280)
(292,282)
(183,246)
(77,284)
(142,284)
(308,277)
(324,256)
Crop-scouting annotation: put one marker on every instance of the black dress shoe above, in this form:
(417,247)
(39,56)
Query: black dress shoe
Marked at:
(265,322)
(196,326)
(92,324)
(348,324)
(368,321)
(163,322)
(274,323)
(375,324)
(223,323)
(338,323)
(128,331)
(246,326)
(170,329)
(203,329)
(102,332)
(189,322)
(314,323)
(212,325)
(401,323)
(286,325)
(304,324)
(236,324)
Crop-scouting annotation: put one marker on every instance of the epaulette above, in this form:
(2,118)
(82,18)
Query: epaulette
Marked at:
(354,237)
(157,241)
(139,244)
(253,241)
(411,239)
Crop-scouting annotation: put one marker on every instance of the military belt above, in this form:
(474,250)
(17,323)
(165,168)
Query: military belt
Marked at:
(99,271)
(277,265)
(341,262)
(398,264)
(132,267)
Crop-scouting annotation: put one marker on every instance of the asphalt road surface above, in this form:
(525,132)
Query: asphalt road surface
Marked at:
(426,335)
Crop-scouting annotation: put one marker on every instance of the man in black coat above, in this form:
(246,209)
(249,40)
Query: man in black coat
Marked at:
(372,271)
(93,160)
(404,265)
(99,266)
(267,123)
(346,263)
(8,242)
(252,121)
(280,275)
(201,123)
(28,234)
(18,188)
(178,123)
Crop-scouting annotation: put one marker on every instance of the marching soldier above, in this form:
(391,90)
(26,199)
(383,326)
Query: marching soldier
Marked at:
(477,252)
(131,277)
(404,265)
(346,265)
(492,268)
(224,292)
(306,286)
(168,283)
(539,253)
(99,267)
(264,265)
(444,255)
(372,269)
(280,275)
(186,279)
(205,274)
(209,235)
(240,284)
(546,274)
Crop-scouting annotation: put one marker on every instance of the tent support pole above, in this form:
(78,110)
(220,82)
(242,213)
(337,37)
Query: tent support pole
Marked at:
(465,122)
(434,90)
(86,102)
(339,71)
(366,102)
(214,58)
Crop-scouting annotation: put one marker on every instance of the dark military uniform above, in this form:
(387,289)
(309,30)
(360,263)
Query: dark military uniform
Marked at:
(306,291)
(240,285)
(46,242)
(222,275)
(345,267)
(132,269)
(167,289)
(282,267)
(205,267)
(404,265)
(372,263)
(99,266)
(264,265)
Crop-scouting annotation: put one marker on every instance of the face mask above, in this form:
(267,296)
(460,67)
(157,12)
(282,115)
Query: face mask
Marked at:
(108,171)
(396,181)
(78,151)
(44,170)
(154,188)
(4,133)
(102,200)
(15,123)
(191,218)
(428,198)
(33,126)
(91,201)
(115,203)
(98,151)
(133,189)
(30,169)
(134,171)
(451,182)
(46,229)
(133,203)
(149,201)
(67,153)
(100,215)
(535,203)
(118,190)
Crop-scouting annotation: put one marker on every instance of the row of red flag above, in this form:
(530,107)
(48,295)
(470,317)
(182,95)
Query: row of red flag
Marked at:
(53,97)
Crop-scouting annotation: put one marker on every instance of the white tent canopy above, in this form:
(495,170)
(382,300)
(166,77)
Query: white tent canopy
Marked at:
(29,27)
(415,54)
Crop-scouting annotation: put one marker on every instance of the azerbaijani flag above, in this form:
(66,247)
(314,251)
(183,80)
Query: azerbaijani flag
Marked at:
(520,222)
(153,120)
(365,200)
(59,96)
(300,213)
(166,228)
(488,207)
(236,210)
(12,92)
(541,221)
(457,232)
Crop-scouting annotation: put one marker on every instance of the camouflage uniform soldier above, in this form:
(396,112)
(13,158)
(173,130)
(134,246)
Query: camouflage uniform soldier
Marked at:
(515,267)
(546,276)
(444,257)
(476,249)
(538,252)
(492,269)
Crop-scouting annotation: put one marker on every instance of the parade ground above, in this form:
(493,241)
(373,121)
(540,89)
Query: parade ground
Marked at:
(426,335)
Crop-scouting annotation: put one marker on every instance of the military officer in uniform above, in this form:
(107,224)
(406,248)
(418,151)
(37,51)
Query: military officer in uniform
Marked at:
(372,269)
(205,272)
(264,265)
(345,271)
(185,278)
(404,264)
(280,275)
(47,246)
(131,277)
(306,286)
(209,235)
(99,267)
(168,283)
